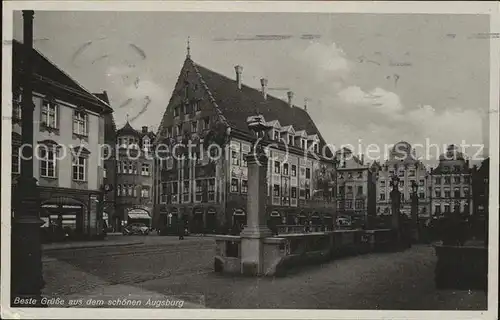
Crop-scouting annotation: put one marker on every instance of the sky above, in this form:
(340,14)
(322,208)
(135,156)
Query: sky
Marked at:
(367,78)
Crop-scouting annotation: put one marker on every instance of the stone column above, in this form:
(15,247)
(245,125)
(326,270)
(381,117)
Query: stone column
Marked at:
(256,229)
(395,204)
(26,251)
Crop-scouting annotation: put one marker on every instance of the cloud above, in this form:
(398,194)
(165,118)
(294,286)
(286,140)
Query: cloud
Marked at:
(376,100)
(135,94)
(349,114)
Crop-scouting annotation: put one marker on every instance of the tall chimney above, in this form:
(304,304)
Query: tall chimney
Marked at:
(290,97)
(239,70)
(263,83)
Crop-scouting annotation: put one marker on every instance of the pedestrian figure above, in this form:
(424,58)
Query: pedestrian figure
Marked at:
(181,231)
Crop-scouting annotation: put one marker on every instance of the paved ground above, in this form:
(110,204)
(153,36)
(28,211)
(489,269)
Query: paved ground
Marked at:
(184,269)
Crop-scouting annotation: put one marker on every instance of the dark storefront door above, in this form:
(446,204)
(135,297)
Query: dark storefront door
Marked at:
(211,222)
(197,222)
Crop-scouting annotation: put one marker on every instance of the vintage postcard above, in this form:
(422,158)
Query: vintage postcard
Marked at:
(267,160)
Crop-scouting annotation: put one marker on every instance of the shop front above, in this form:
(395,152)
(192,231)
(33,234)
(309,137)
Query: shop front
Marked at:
(239,221)
(64,218)
(139,215)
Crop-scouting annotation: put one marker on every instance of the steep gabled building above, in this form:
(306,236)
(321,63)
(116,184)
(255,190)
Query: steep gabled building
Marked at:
(404,164)
(134,176)
(209,191)
(451,184)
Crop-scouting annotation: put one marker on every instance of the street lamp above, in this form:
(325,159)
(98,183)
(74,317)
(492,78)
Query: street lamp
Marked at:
(26,253)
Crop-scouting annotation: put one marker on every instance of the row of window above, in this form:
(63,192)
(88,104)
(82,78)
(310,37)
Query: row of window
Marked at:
(133,143)
(447,208)
(347,204)
(48,165)
(235,186)
(382,197)
(170,191)
(279,169)
(130,190)
(359,175)
(195,126)
(447,193)
(130,167)
(423,210)
(447,180)
(191,108)
(342,190)
(402,183)
(401,173)
(49,116)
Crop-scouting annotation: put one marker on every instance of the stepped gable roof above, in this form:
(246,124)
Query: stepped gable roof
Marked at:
(452,154)
(236,105)
(49,78)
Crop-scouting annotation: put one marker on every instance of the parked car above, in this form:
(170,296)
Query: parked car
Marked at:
(136,229)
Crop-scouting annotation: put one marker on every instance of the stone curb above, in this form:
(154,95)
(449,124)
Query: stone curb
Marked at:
(90,245)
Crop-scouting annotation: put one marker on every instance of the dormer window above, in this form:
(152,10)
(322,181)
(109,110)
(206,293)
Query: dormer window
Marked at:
(176,111)
(276,135)
(316,147)
(195,106)
(146,144)
(206,123)
(290,139)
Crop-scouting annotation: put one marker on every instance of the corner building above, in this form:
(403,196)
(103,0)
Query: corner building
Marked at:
(210,194)
(68,129)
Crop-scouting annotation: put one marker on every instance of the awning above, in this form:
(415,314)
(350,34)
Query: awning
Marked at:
(239,212)
(138,214)
(275,214)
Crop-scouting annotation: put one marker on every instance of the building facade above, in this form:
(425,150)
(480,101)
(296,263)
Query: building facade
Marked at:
(355,188)
(208,189)
(134,176)
(68,128)
(451,184)
(404,164)
(110,166)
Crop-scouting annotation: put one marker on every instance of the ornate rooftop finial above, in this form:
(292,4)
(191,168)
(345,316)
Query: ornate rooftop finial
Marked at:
(127,117)
(188,47)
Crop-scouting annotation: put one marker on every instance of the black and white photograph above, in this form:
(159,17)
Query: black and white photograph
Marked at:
(270,160)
